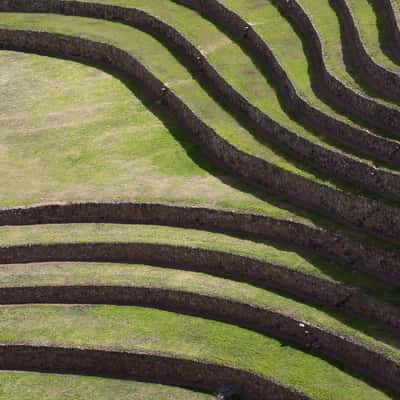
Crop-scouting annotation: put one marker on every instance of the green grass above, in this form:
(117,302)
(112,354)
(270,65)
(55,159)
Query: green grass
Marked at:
(58,274)
(165,66)
(288,48)
(365,19)
(84,233)
(34,386)
(327,24)
(70,132)
(219,48)
(115,156)
(141,329)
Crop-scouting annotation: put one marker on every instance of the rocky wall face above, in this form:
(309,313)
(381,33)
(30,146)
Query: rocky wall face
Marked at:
(373,74)
(259,273)
(360,140)
(377,115)
(346,208)
(162,369)
(328,244)
(358,357)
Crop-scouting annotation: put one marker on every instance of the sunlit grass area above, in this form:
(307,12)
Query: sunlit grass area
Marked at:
(41,386)
(142,329)
(70,132)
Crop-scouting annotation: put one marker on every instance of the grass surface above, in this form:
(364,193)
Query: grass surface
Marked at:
(70,132)
(327,24)
(56,273)
(288,48)
(84,233)
(165,66)
(32,386)
(219,49)
(367,25)
(73,132)
(141,329)
(94,140)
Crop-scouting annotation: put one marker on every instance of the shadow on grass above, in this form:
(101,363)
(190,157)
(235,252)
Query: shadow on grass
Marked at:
(385,35)
(254,130)
(387,45)
(201,159)
(348,58)
(322,92)
(284,102)
(340,274)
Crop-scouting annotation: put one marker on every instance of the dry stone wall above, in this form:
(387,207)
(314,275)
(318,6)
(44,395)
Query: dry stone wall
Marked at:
(259,273)
(383,264)
(382,80)
(337,164)
(375,114)
(164,369)
(356,356)
(362,141)
(358,211)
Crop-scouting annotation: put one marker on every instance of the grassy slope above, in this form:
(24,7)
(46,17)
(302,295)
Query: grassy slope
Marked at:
(327,24)
(71,132)
(92,142)
(164,65)
(89,152)
(218,48)
(57,273)
(186,237)
(366,21)
(86,136)
(135,328)
(287,47)
(35,386)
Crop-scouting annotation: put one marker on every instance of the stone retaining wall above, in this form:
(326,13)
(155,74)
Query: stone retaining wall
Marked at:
(163,369)
(336,247)
(361,141)
(338,165)
(230,266)
(385,82)
(358,357)
(389,27)
(331,89)
(354,210)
